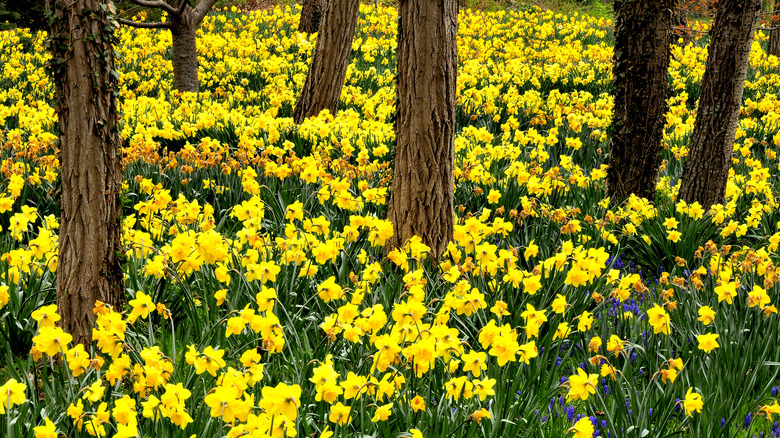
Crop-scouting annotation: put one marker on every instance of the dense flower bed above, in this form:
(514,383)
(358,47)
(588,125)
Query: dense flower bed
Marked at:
(260,300)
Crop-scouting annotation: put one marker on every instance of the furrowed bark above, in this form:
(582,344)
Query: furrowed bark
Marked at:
(705,172)
(90,252)
(421,201)
(641,63)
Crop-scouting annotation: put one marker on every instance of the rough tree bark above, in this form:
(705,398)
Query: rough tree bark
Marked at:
(90,253)
(641,62)
(311,12)
(185,51)
(322,89)
(706,170)
(183,21)
(774,34)
(421,201)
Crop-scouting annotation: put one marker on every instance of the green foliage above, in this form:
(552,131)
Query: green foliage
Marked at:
(594,8)
(22,13)
(485,5)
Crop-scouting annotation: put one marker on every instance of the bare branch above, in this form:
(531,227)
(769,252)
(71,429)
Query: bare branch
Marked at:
(203,8)
(156,4)
(182,5)
(158,25)
(129,12)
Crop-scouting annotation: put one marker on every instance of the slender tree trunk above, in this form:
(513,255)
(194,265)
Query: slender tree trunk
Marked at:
(641,63)
(706,170)
(322,90)
(185,51)
(774,34)
(311,12)
(90,252)
(421,201)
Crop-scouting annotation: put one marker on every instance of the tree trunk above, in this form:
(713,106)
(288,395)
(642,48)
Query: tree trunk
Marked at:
(421,201)
(183,21)
(185,51)
(311,12)
(641,63)
(774,34)
(90,252)
(706,170)
(328,69)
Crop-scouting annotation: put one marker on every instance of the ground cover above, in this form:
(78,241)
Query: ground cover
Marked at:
(261,300)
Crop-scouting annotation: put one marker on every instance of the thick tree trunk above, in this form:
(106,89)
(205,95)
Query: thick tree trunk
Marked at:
(328,69)
(90,250)
(706,170)
(774,34)
(641,63)
(311,12)
(421,201)
(185,51)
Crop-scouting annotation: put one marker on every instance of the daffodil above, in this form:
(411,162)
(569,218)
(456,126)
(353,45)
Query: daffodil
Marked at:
(706,315)
(418,403)
(12,393)
(708,342)
(693,402)
(581,385)
(583,428)
(659,319)
(46,430)
(340,414)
